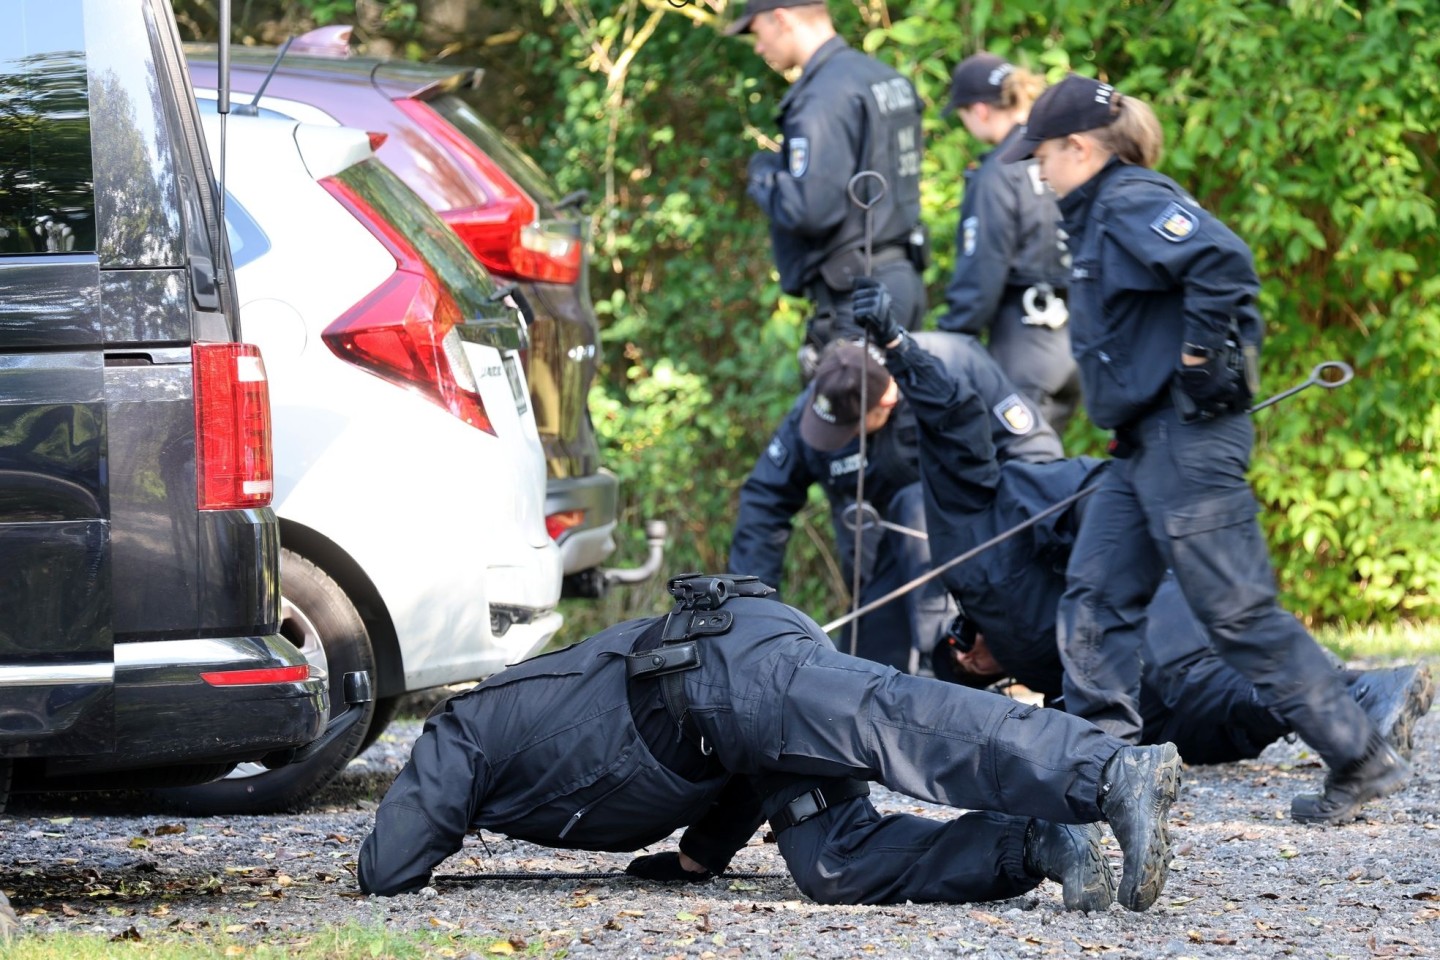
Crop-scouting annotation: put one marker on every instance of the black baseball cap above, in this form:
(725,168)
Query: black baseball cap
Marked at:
(978,79)
(742,22)
(1073,105)
(832,417)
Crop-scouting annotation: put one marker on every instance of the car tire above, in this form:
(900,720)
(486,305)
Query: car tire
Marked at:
(5,770)
(385,710)
(322,622)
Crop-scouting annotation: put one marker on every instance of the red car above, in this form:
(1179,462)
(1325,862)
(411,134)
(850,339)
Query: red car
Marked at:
(504,208)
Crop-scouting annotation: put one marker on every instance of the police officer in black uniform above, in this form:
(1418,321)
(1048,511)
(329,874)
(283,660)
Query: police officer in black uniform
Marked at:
(1165,327)
(847,113)
(1010,593)
(1009,279)
(735,709)
(818,442)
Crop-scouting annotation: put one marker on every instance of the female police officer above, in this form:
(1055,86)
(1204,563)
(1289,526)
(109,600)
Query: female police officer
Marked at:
(1008,279)
(735,708)
(1165,328)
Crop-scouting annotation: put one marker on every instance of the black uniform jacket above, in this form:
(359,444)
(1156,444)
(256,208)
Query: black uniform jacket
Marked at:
(846,113)
(547,751)
(1007,240)
(1151,271)
(777,488)
(973,491)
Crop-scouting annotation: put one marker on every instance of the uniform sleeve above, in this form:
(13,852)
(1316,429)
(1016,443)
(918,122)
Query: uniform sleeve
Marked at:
(724,828)
(985,246)
(1182,246)
(427,811)
(957,453)
(807,194)
(770,497)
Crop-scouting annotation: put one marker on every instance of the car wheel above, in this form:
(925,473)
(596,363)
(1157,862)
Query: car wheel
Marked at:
(4,784)
(385,710)
(319,619)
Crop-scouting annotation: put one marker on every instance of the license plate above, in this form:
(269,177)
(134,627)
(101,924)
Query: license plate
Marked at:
(517,383)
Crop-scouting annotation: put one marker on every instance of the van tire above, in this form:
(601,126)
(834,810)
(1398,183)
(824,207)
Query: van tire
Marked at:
(5,771)
(317,611)
(386,709)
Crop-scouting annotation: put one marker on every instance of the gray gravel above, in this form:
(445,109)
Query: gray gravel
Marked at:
(1245,881)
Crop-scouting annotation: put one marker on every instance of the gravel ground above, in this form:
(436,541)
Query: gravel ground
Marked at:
(1245,880)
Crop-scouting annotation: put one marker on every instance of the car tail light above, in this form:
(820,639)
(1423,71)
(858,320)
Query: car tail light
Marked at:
(503,233)
(241,678)
(559,524)
(233,465)
(405,330)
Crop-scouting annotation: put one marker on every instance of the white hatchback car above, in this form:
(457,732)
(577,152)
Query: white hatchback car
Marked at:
(409,476)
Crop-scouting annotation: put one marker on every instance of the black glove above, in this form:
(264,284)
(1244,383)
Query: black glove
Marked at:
(761,174)
(874,310)
(664,868)
(1208,389)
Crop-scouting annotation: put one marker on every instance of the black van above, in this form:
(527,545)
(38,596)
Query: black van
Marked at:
(139,580)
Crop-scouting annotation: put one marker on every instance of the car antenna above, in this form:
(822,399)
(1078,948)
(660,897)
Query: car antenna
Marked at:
(253,107)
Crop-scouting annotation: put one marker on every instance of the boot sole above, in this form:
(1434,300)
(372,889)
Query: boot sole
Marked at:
(1099,892)
(1141,883)
(1418,698)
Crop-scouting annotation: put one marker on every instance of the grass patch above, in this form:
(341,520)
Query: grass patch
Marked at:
(1402,641)
(349,942)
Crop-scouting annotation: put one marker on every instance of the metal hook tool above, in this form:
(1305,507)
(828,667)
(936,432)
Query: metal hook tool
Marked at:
(1319,377)
(868,517)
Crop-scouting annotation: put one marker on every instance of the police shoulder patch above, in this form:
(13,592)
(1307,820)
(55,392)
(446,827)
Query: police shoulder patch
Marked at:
(1015,415)
(777,452)
(1175,223)
(799,148)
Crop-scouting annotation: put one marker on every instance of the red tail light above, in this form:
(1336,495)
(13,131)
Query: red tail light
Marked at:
(244,678)
(404,330)
(233,465)
(503,232)
(559,524)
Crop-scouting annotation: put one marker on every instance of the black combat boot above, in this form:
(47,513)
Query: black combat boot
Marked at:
(1070,854)
(1395,698)
(1136,790)
(1379,773)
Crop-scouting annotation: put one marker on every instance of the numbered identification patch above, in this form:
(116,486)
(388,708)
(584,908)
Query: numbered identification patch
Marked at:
(1015,415)
(1175,223)
(799,156)
(968,229)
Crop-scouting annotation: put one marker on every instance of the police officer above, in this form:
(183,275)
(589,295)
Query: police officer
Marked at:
(735,709)
(847,113)
(818,442)
(1166,330)
(1009,281)
(1010,593)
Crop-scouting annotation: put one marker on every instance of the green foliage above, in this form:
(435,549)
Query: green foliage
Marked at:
(1308,126)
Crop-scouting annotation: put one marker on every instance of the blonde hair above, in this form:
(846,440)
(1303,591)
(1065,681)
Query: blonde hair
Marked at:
(1136,136)
(1019,90)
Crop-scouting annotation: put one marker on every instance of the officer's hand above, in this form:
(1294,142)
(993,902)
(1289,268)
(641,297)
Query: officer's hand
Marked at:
(874,310)
(1211,385)
(761,174)
(664,868)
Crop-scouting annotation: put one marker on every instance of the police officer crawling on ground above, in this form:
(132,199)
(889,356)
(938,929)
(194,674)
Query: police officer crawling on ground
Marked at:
(817,442)
(845,114)
(1010,593)
(735,709)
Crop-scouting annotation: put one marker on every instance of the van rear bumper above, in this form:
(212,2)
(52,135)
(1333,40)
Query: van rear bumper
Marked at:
(166,714)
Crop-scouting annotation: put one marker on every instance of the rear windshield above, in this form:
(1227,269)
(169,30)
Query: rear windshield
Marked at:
(469,282)
(47,201)
(459,111)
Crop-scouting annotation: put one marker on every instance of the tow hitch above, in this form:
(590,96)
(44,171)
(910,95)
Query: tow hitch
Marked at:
(358,692)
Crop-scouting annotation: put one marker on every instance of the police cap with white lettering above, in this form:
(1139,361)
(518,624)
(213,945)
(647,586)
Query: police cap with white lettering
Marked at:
(978,79)
(832,415)
(742,22)
(1074,105)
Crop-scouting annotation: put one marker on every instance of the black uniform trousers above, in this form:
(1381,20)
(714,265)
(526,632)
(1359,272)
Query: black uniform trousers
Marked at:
(1182,501)
(1037,359)
(774,697)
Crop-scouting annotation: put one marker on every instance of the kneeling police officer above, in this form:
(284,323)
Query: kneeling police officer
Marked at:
(735,709)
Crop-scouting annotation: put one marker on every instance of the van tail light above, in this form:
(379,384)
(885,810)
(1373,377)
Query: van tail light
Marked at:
(233,465)
(260,675)
(559,524)
(503,232)
(406,330)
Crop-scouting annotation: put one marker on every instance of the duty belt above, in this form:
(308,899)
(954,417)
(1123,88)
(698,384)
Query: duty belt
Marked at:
(813,802)
(824,296)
